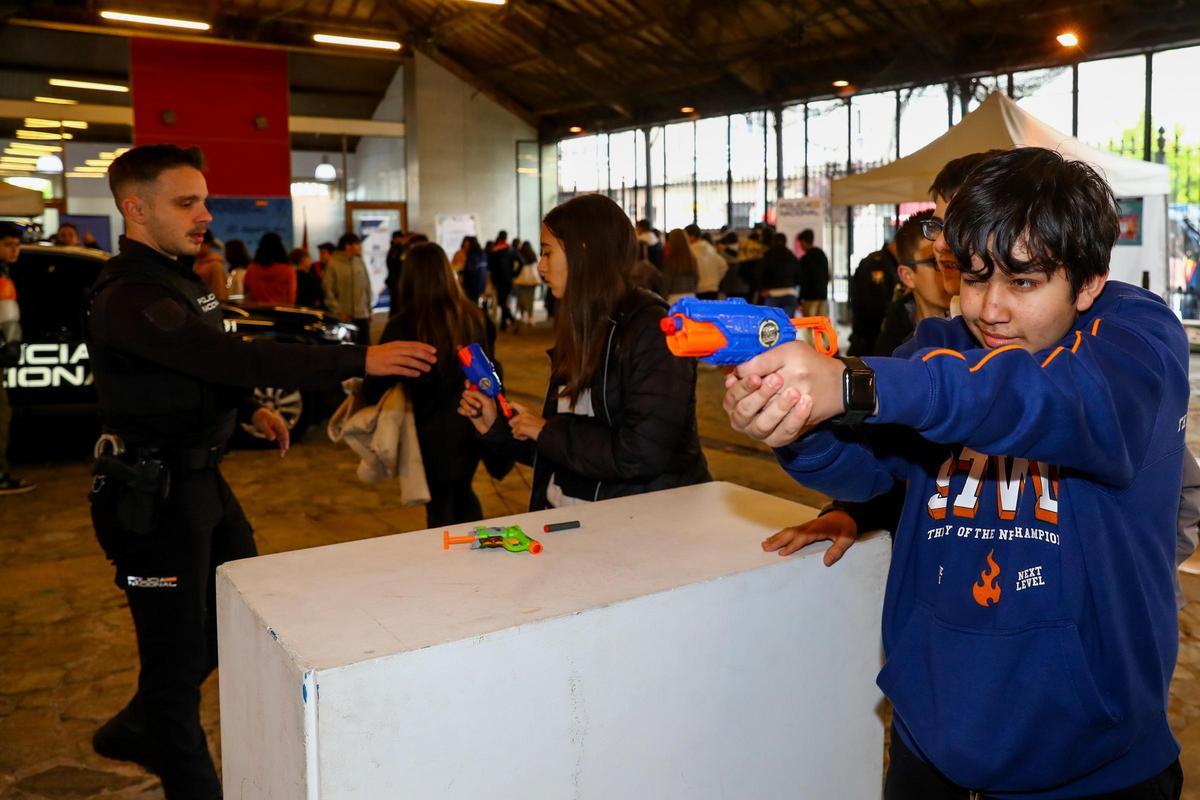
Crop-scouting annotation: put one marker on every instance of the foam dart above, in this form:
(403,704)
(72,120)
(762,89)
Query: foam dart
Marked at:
(688,338)
(824,336)
(448,540)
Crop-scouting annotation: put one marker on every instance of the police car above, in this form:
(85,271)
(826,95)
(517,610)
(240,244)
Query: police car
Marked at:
(54,373)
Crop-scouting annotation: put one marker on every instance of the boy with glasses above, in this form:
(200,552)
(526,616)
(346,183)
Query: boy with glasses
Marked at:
(1029,625)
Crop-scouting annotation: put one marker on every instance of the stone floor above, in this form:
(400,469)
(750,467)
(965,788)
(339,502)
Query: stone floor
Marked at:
(67,652)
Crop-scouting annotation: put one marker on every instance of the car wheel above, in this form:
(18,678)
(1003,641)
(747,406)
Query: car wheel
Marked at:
(291,404)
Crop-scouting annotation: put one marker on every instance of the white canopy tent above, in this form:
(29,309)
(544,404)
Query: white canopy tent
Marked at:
(999,123)
(18,202)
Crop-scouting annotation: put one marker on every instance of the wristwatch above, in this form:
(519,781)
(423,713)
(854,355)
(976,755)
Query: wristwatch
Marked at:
(858,391)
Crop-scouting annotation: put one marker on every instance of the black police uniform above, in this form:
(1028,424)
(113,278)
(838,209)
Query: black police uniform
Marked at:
(170,382)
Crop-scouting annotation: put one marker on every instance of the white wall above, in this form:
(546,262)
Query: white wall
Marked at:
(461,152)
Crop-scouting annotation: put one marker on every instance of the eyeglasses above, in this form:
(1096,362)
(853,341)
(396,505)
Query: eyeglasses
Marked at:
(930,228)
(923,262)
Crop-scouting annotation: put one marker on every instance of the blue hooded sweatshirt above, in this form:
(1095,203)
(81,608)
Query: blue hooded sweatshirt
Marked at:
(1029,623)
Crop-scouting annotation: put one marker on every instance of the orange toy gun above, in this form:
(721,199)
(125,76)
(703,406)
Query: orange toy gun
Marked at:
(732,331)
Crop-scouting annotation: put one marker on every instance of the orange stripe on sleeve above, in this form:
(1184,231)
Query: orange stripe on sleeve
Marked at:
(1095,326)
(994,353)
(1078,339)
(1050,358)
(943,352)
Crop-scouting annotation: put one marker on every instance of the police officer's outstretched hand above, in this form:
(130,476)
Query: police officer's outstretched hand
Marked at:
(406,359)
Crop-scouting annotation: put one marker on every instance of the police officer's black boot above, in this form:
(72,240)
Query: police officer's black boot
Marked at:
(125,738)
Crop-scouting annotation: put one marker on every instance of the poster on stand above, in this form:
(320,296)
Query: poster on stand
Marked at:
(799,213)
(451,228)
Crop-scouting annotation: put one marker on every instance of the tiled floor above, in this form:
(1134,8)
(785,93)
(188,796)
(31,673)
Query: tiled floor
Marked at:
(67,653)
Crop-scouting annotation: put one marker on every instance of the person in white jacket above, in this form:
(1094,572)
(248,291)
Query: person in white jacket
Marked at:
(10,348)
(709,263)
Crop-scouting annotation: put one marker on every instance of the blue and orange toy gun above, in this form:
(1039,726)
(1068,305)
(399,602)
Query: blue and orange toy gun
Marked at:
(482,374)
(511,538)
(732,331)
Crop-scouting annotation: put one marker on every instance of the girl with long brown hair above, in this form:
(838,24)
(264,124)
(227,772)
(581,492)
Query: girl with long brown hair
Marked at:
(431,304)
(620,412)
(681,274)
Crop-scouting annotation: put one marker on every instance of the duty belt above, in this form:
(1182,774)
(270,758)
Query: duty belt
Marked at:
(177,458)
(185,458)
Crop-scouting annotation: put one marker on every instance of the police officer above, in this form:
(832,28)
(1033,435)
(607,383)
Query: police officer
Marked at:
(170,382)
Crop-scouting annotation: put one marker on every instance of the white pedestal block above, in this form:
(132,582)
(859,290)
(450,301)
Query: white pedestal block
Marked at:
(656,652)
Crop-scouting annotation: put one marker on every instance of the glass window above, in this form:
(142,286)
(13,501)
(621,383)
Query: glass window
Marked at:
(1112,96)
(658,166)
(680,167)
(872,130)
(922,117)
(622,171)
(772,166)
(1175,128)
(793,151)
(711,152)
(828,148)
(1176,120)
(746,164)
(1046,93)
(581,165)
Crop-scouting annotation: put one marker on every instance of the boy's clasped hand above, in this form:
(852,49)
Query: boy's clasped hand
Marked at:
(780,395)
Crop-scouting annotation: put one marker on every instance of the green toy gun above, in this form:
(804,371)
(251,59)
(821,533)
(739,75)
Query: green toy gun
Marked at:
(512,539)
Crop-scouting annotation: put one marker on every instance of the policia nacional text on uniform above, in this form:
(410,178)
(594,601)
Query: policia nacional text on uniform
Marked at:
(170,382)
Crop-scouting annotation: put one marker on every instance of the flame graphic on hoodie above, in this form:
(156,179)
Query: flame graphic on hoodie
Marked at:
(987,591)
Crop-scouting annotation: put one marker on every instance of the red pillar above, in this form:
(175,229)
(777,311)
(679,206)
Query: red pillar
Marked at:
(230,101)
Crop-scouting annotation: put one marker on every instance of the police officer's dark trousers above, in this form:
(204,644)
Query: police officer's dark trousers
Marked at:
(168,576)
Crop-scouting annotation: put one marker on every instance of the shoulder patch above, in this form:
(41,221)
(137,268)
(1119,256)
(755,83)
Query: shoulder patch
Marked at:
(166,314)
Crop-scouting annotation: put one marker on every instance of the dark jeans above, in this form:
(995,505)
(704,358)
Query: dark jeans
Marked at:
(169,578)
(506,316)
(910,778)
(787,303)
(452,504)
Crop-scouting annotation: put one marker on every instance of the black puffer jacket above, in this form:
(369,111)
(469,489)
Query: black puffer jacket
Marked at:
(643,436)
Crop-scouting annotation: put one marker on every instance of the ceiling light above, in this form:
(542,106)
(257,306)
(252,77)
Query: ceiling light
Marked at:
(85,175)
(37,184)
(142,19)
(35,122)
(1067,39)
(489,2)
(575,129)
(355,41)
(28,162)
(100,87)
(91,169)
(325,171)
(56,100)
(40,135)
(98,162)
(687,110)
(18,167)
(120,151)
(29,147)
(49,163)
(841,84)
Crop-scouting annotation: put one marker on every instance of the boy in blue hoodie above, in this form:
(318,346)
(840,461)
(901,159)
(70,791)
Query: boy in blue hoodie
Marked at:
(1029,622)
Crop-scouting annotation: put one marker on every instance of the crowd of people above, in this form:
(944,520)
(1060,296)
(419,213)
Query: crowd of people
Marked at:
(1004,410)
